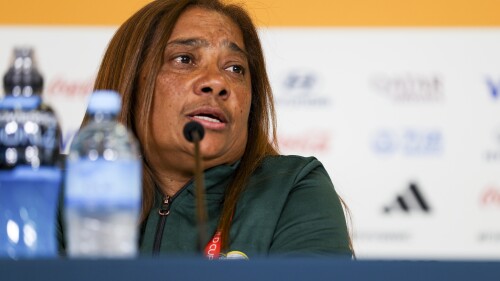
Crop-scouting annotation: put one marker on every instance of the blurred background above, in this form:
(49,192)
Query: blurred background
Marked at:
(399,99)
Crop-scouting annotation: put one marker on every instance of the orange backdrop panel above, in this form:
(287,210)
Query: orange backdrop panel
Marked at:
(270,12)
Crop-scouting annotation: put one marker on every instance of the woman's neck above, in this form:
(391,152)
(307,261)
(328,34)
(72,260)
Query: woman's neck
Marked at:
(170,185)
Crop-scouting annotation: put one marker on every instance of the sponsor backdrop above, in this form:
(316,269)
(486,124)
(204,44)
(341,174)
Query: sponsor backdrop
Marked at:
(400,101)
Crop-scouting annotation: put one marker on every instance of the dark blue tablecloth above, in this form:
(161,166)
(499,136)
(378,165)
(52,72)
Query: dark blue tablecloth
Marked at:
(145,269)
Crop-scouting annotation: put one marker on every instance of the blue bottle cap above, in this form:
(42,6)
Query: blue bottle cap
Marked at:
(105,101)
(21,103)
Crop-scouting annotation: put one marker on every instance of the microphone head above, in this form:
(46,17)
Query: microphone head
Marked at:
(190,128)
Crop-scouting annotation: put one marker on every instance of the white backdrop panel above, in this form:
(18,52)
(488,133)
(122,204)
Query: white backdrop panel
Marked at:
(406,121)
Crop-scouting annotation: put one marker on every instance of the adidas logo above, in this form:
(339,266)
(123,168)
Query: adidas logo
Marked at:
(411,200)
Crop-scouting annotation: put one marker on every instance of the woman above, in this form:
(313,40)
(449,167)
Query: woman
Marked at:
(178,61)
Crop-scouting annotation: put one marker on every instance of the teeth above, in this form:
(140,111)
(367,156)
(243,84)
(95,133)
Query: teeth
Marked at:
(206,118)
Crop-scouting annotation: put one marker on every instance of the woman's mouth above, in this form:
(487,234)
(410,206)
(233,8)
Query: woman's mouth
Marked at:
(210,118)
(207,118)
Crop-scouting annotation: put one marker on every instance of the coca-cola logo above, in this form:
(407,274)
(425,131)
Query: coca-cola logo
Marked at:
(491,197)
(305,142)
(61,86)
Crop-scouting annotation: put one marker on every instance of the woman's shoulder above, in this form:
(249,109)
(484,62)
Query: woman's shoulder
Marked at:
(278,175)
(290,163)
(289,170)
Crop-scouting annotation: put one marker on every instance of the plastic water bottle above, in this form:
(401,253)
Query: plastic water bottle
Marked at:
(30,163)
(103,184)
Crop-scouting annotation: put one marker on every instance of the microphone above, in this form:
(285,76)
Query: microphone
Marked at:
(194,132)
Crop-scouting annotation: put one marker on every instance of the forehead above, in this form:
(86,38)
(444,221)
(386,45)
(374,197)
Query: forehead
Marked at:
(209,24)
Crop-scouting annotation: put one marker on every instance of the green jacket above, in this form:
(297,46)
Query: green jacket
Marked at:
(289,207)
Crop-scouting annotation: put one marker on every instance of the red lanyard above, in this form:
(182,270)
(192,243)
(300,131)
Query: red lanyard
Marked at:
(212,250)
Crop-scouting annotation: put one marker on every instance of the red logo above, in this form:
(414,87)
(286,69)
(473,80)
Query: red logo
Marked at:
(60,86)
(305,142)
(491,197)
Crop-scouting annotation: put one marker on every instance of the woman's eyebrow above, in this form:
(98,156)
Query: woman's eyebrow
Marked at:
(193,42)
(234,47)
(200,42)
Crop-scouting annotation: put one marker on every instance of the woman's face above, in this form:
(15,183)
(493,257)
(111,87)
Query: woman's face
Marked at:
(205,78)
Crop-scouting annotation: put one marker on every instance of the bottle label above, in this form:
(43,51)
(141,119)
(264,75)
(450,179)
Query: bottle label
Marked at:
(102,184)
(28,200)
(28,137)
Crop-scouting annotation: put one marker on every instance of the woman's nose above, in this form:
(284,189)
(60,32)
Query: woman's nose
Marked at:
(212,82)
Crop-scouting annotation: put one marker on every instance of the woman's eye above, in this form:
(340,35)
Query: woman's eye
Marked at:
(183,59)
(236,69)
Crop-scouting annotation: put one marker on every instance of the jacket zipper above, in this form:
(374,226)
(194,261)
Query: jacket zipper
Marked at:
(164,211)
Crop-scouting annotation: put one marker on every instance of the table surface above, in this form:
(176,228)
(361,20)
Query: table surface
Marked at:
(170,268)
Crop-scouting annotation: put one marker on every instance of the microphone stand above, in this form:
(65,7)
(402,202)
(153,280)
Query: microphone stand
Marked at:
(200,193)
(194,132)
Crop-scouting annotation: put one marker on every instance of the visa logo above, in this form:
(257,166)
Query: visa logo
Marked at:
(493,87)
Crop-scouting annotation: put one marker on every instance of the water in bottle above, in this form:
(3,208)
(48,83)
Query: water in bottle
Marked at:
(103,184)
(30,163)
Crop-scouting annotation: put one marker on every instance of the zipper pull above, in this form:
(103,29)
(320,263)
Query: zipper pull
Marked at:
(165,206)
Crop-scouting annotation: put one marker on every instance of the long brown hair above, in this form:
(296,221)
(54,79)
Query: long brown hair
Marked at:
(137,47)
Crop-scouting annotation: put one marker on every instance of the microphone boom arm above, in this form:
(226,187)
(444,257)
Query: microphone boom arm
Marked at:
(200,193)
(194,132)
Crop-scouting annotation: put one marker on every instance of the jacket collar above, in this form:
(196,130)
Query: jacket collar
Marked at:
(215,179)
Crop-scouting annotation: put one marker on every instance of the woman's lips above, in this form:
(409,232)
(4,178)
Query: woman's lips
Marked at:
(209,123)
(210,118)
